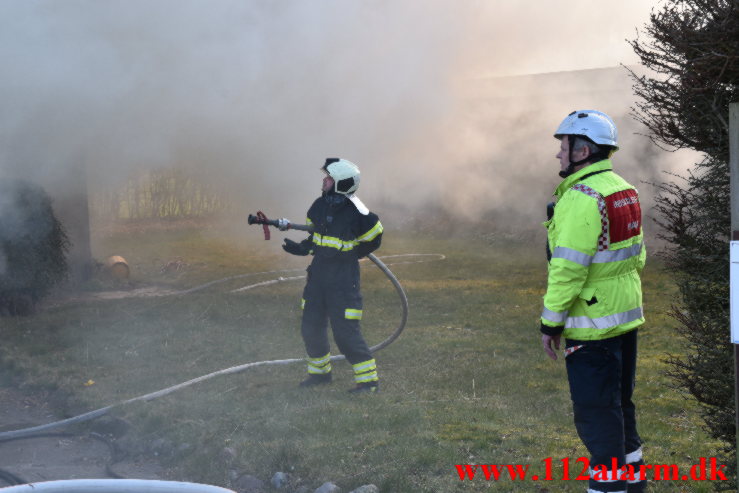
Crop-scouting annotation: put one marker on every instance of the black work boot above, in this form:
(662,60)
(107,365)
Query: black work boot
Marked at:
(372,387)
(316,379)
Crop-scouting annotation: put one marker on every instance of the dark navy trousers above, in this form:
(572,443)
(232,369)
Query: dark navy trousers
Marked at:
(331,289)
(602,375)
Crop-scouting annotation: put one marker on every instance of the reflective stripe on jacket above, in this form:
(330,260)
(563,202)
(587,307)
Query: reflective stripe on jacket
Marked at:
(341,231)
(597,244)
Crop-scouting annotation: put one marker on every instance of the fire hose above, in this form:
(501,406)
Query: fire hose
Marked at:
(283,225)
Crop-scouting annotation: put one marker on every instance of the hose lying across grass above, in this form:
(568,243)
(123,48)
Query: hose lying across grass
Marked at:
(28,432)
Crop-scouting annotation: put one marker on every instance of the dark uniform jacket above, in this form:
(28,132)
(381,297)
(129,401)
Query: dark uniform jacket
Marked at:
(342,234)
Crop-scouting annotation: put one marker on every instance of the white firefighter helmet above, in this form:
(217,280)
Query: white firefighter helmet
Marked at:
(345,175)
(594,125)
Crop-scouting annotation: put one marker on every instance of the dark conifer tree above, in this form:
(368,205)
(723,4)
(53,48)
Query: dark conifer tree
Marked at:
(692,50)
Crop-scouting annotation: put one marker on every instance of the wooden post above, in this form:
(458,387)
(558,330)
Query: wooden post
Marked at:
(734,177)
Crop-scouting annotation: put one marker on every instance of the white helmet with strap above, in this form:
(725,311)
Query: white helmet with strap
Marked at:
(346,180)
(345,175)
(591,125)
(594,125)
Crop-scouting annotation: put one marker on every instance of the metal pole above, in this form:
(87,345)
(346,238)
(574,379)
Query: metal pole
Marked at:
(734,177)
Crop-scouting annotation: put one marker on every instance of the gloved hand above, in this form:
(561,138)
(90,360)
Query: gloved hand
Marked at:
(295,248)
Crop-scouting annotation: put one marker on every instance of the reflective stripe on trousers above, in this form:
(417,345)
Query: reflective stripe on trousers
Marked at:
(353,314)
(319,366)
(365,371)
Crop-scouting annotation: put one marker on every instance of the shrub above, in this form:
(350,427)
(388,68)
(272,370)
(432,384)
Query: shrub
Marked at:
(33,247)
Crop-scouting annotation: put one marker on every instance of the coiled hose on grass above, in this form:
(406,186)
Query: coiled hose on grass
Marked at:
(28,432)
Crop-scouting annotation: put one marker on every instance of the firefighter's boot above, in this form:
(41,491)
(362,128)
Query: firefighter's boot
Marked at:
(371,387)
(316,379)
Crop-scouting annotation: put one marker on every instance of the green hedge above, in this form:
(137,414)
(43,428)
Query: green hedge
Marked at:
(33,247)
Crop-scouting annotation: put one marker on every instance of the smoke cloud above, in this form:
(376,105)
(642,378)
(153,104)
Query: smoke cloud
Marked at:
(427,97)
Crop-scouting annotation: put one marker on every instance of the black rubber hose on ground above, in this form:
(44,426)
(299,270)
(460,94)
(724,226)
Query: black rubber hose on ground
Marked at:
(33,431)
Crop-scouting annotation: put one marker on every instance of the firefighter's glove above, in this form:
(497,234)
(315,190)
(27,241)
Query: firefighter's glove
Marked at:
(295,248)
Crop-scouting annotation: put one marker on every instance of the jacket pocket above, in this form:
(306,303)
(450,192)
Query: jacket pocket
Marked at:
(588,296)
(595,305)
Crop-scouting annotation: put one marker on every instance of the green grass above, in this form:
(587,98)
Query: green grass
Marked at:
(467,382)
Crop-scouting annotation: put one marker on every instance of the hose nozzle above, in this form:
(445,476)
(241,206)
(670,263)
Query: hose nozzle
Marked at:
(283,224)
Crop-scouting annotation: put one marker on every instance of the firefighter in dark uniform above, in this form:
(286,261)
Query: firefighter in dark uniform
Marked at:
(345,231)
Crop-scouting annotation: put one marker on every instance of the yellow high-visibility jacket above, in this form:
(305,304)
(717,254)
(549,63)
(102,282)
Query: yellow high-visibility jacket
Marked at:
(597,244)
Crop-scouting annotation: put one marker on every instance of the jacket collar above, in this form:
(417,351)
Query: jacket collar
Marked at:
(334,200)
(571,180)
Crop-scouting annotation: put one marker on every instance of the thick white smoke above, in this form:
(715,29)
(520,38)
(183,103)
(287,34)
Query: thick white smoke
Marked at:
(253,95)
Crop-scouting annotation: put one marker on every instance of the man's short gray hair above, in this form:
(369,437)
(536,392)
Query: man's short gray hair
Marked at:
(579,143)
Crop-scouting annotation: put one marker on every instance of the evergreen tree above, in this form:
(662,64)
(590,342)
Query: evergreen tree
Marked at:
(692,49)
(33,247)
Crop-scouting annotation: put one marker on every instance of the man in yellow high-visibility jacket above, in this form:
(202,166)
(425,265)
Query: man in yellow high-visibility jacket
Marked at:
(594,295)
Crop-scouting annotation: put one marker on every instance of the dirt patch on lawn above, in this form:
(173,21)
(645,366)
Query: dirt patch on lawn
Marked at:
(60,454)
(145,292)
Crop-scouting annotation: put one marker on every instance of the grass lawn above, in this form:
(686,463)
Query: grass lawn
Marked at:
(467,382)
